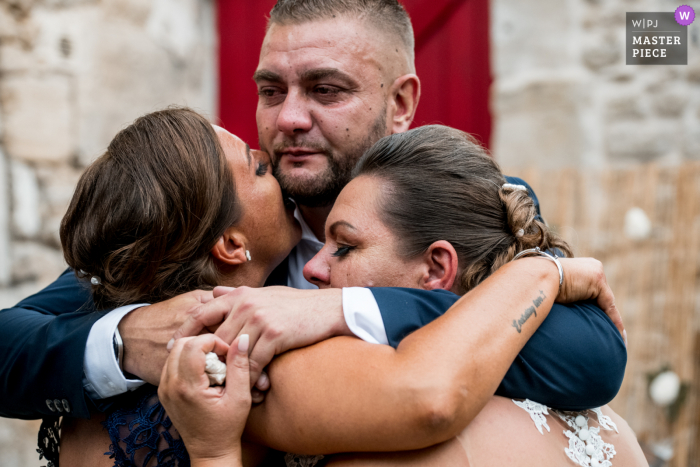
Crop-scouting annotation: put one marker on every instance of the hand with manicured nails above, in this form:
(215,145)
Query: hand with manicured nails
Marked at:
(277,319)
(210,419)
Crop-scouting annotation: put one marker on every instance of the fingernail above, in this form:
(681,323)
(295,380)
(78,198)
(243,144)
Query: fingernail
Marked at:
(262,380)
(243,342)
(171,342)
(624,336)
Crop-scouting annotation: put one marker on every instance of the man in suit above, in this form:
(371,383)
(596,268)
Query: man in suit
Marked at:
(327,93)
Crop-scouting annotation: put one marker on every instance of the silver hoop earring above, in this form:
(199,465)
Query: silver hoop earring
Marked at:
(247,255)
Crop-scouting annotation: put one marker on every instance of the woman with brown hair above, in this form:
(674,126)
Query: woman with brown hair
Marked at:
(176,205)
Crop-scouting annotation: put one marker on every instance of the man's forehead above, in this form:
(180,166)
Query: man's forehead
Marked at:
(317,45)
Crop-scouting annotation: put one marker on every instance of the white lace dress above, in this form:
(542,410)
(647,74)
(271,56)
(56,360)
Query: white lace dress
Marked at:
(586,447)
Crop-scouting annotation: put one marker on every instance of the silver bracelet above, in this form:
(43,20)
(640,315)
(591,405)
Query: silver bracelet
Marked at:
(537,252)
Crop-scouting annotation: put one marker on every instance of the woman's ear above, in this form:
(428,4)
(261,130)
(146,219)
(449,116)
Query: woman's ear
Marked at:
(230,248)
(442,264)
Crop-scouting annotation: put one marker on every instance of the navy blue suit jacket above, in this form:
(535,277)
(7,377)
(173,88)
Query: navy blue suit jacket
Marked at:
(576,359)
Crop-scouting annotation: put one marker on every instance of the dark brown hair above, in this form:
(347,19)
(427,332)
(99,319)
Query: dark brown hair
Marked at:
(440,184)
(145,214)
(386,15)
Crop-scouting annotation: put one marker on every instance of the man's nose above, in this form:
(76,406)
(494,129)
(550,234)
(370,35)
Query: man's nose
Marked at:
(318,269)
(294,117)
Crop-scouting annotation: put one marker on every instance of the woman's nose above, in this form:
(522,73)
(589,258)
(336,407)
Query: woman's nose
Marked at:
(318,269)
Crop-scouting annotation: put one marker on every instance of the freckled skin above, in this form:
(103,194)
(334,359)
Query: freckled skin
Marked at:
(373,260)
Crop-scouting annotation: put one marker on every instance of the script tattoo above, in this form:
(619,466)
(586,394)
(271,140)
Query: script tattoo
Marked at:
(518,325)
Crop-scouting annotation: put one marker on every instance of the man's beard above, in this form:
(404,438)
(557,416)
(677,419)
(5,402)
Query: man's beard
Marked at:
(324,188)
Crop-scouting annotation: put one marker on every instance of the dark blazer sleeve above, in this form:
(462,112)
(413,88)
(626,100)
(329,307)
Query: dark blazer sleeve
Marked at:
(42,347)
(575,360)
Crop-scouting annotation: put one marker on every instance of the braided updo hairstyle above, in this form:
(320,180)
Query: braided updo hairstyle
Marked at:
(440,184)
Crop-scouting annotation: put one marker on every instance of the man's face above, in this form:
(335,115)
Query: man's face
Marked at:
(323,102)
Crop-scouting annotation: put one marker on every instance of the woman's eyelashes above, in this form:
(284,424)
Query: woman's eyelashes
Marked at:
(262,169)
(342,250)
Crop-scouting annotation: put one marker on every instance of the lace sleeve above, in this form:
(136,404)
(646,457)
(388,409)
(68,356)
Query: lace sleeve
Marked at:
(142,434)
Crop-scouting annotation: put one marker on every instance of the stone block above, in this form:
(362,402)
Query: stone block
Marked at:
(18,443)
(602,51)
(57,187)
(691,146)
(38,114)
(155,68)
(50,40)
(5,232)
(624,107)
(669,104)
(639,141)
(26,208)
(538,125)
(532,35)
(35,262)
(8,23)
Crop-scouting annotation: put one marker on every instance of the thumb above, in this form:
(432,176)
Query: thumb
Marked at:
(238,368)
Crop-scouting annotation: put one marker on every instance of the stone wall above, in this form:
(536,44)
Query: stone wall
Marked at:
(72,74)
(563,96)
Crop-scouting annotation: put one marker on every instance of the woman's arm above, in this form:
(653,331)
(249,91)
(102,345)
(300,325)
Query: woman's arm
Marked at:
(347,395)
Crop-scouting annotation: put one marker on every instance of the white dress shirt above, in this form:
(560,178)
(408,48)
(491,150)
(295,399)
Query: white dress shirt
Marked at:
(103,378)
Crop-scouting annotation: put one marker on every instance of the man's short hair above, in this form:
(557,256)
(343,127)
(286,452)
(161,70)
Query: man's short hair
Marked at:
(384,14)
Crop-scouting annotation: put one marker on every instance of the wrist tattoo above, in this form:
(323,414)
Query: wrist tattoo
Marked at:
(532,310)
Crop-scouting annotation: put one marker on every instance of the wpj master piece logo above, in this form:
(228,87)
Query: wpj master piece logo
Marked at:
(659,38)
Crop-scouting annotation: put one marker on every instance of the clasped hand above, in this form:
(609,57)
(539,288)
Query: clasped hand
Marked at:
(277,319)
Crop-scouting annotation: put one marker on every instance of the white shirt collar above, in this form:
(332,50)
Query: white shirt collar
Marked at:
(307,235)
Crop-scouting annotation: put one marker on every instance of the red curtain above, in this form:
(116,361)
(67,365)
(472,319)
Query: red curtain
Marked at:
(452,61)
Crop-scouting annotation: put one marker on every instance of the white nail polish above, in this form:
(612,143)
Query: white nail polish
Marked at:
(243,342)
(171,343)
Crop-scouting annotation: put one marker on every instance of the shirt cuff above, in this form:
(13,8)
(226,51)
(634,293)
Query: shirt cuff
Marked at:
(362,315)
(103,378)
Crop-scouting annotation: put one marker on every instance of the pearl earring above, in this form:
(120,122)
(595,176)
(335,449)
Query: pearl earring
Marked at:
(247,255)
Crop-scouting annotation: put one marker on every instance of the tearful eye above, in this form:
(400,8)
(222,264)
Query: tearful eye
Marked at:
(326,90)
(342,251)
(262,169)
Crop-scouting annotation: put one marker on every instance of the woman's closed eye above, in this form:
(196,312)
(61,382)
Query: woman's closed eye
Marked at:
(262,169)
(342,250)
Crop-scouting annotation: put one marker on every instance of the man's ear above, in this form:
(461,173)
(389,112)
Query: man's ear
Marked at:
(230,248)
(405,93)
(441,266)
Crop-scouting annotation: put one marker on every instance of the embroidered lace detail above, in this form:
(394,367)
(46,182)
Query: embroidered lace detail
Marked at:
(604,421)
(49,440)
(143,433)
(296,460)
(586,447)
(537,412)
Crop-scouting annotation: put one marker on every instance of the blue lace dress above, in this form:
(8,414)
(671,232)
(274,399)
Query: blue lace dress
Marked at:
(142,434)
